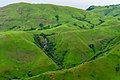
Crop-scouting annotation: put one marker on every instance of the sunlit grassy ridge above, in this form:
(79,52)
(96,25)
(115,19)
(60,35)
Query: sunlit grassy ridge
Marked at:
(102,61)
(105,68)
(111,10)
(20,57)
(24,16)
(49,42)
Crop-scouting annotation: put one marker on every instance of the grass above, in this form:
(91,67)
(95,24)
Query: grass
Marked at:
(42,16)
(20,48)
(105,68)
(49,42)
(104,44)
(20,57)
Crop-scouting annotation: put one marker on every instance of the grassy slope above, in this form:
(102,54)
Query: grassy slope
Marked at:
(110,14)
(83,38)
(76,43)
(64,40)
(104,66)
(20,57)
(111,10)
(24,16)
(99,37)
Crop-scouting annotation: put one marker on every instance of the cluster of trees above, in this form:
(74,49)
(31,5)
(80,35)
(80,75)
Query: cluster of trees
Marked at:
(48,26)
(43,42)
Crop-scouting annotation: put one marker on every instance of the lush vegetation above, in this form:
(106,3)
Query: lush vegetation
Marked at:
(49,42)
(24,16)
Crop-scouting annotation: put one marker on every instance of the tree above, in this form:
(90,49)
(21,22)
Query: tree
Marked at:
(57,18)
(41,25)
(92,47)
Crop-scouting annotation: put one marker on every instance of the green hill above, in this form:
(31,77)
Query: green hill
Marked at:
(111,10)
(71,46)
(20,57)
(50,42)
(110,14)
(24,16)
(102,50)
(104,68)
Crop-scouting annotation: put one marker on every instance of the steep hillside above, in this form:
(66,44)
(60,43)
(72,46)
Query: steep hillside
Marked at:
(25,16)
(57,48)
(50,42)
(70,46)
(101,61)
(105,68)
(111,10)
(20,57)
(110,14)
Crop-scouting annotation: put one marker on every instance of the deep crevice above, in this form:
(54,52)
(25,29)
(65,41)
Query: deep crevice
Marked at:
(42,41)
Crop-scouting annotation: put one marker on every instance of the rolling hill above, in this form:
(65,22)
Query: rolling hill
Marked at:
(24,16)
(50,42)
(20,57)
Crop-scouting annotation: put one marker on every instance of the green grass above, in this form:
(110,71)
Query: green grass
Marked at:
(25,16)
(20,57)
(106,67)
(72,48)
(50,42)
(105,41)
